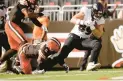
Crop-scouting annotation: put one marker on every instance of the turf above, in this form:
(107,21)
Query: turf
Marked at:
(101,74)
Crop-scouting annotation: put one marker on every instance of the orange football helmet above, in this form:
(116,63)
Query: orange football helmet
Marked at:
(53,44)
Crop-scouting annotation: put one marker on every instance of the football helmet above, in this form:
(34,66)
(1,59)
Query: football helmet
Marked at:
(97,11)
(33,1)
(54,45)
(2,5)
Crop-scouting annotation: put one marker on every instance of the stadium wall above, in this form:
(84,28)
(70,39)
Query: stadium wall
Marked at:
(61,29)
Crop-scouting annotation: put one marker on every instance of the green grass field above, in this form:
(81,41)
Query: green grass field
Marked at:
(101,74)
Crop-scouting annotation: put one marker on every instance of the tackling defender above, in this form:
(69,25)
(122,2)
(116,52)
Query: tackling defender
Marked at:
(15,34)
(39,51)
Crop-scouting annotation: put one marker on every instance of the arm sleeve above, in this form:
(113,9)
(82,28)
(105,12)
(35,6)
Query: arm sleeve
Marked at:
(36,22)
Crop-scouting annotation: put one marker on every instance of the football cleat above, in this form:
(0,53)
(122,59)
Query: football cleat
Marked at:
(3,67)
(38,71)
(91,66)
(17,70)
(66,68)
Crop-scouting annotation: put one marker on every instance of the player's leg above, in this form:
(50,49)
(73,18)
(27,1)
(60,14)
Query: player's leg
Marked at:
(95,46)
(25,64)
(7,55)
(3,66)
(94,56)
(14,32)
(6,46)
(38,31)
(16,37)
(70,43)
(85,60)
(44,20)
(66,49)
(5,43)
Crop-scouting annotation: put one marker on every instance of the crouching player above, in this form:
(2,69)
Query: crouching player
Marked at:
(39,51)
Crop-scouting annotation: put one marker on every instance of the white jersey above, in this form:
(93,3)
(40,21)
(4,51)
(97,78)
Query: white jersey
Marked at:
(85,33)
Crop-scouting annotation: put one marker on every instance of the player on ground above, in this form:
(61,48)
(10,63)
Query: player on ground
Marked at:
(39,51)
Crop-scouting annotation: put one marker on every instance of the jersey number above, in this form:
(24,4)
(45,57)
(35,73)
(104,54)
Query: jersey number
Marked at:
(85,29)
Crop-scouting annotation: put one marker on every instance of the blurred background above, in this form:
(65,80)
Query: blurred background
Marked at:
(62,2)
(62,10)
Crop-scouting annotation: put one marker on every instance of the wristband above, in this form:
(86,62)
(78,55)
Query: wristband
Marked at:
(45,28)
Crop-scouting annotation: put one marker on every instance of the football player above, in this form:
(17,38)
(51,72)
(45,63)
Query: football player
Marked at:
(89,28)
(39,51)
(15,34)
(86,35)
(106,14)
